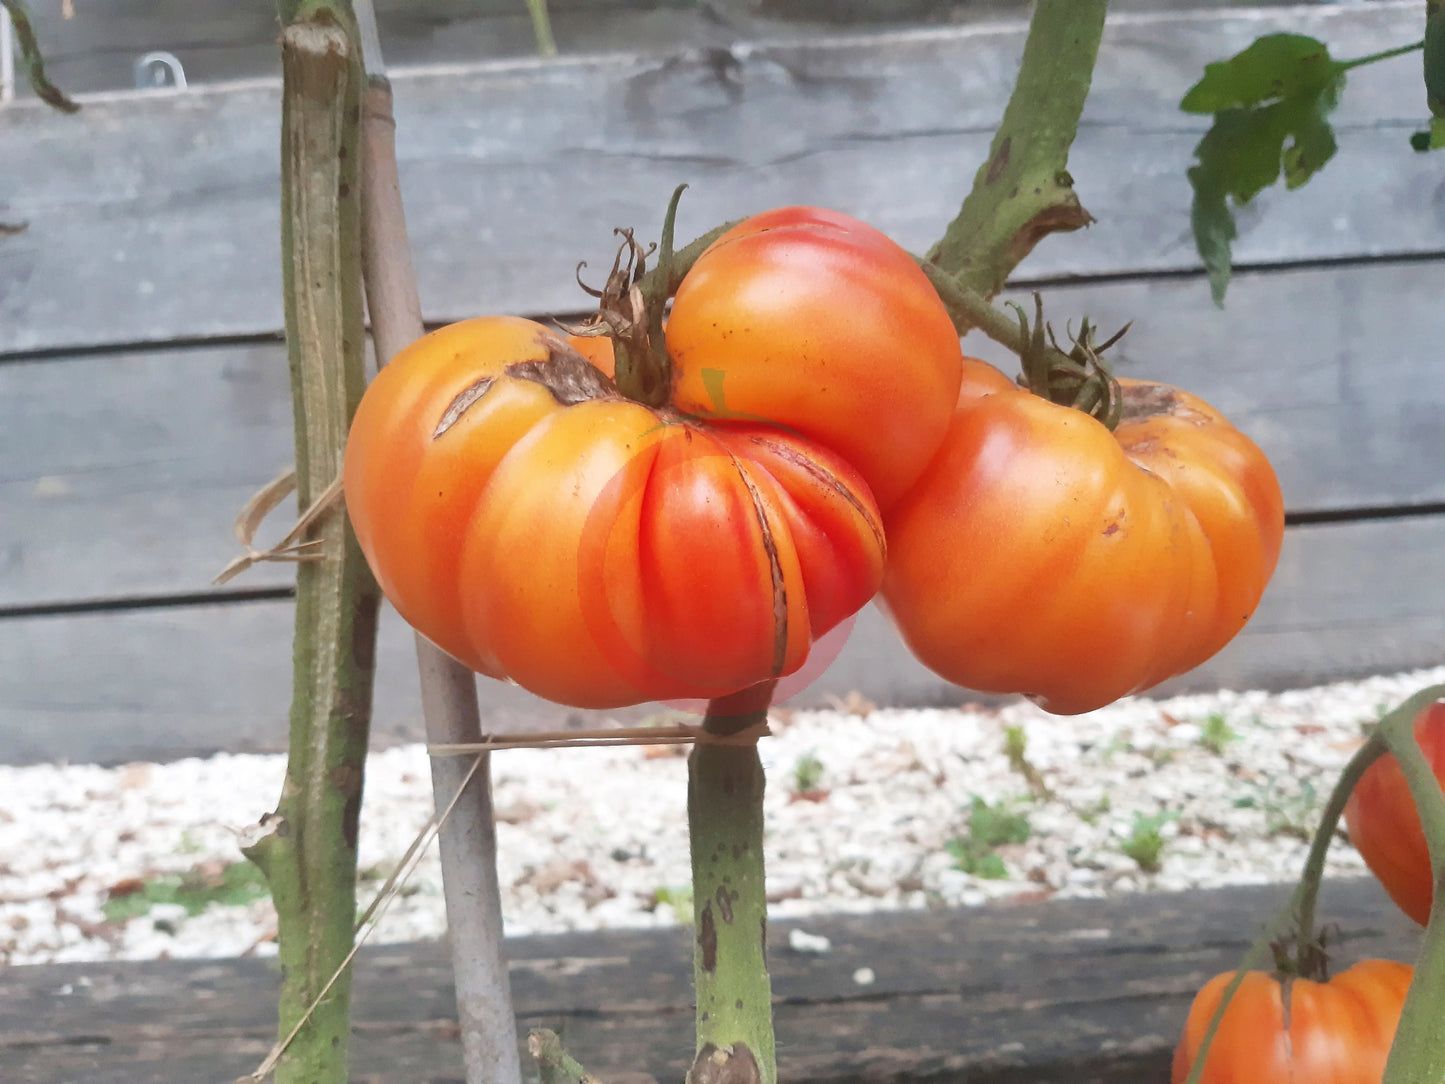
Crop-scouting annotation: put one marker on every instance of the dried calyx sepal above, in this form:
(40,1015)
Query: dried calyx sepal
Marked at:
(631,306)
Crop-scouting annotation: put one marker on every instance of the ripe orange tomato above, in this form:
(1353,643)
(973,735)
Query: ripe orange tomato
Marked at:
(1333,1032)
(536,525)
(1042,554)
(1385,828)
(819,324)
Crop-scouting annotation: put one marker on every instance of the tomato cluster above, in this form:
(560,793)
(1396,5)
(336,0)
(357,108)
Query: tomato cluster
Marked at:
(540,526)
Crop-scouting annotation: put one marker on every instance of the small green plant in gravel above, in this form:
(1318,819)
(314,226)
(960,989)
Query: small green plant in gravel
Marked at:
(1144,843)
(1016,749)
(989,826)
(195,890)
(677,897)
(1216,733)
(1091,814)
(807,774)
(1293,815)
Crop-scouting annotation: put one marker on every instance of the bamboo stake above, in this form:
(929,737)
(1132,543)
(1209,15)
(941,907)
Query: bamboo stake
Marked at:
(449,695)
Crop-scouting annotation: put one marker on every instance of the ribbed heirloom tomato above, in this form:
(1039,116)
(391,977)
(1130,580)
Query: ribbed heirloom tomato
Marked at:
(1385,828)
(537,525)
(1296,1031)
(1042,554)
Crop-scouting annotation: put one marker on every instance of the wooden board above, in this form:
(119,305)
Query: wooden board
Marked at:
(161,683)
(217,40)
(122,473)
(1046,992)
(94,50)
(152,217)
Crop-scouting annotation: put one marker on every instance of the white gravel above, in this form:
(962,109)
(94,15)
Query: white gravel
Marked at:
(596,838)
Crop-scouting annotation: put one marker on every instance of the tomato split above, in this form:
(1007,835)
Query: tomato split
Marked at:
(538,526)
(1042,554)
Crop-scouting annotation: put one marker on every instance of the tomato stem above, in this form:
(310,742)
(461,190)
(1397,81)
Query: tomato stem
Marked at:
(1417,1053)
(730,907)
(1306,896)
(643,366)
(1023,192)
(1078,378)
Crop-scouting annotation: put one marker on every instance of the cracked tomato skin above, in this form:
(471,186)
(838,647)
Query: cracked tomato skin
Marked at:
(1042,554)
(537,526)
(817,323)
(1339,1031)
(1385,828)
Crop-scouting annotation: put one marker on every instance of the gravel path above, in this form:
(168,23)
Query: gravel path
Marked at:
(867,809)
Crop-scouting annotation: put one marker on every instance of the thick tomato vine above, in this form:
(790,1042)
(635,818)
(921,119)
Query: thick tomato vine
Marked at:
(1284,1030)
(1385,827)
(537,525)
(1040,553)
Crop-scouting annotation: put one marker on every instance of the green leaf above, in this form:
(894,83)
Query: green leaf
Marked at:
(1276,66)
(1214,230)
(1271,106)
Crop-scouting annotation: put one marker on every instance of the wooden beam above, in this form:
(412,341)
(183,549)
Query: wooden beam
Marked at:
(1043,992)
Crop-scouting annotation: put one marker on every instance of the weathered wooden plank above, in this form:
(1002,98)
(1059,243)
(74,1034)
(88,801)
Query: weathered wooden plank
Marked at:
(160,210)
(120,474)
(1349,599)
(96,50)
(1046,992)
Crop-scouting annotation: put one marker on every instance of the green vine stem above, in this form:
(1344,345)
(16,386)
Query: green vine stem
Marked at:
(730,906)
(1418,1055)
(969,309)
(309,852)
(542,28)
(1300,913)
(1434,71)
(554,1064)
(34,62)
(1306,895)
(1023,192)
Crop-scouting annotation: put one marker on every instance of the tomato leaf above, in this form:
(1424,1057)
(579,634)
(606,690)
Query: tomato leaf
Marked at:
(1271,106)
(1277,66)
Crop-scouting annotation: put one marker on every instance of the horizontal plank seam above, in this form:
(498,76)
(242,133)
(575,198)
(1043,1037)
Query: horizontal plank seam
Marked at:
(1309,518)
(148,602)
(132,603)
(79,352)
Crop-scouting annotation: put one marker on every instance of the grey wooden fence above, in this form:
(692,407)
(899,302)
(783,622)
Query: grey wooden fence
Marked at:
(143,392)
